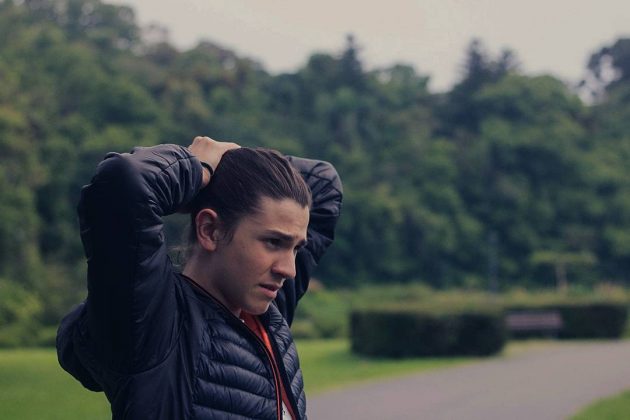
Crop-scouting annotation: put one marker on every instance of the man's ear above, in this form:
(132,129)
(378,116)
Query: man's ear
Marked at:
(208,229)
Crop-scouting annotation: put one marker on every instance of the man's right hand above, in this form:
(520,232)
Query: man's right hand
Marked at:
(210,151)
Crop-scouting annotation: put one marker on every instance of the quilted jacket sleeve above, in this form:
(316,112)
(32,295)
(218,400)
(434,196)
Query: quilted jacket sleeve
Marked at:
(327,192)
(130,310)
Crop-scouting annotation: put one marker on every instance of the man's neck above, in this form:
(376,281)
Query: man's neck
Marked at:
(201,276)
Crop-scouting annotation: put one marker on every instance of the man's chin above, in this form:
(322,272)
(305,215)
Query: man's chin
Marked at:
(259,309)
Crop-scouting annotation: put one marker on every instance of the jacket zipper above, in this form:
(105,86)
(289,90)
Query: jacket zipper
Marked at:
(276,374)
(238,321)
(276,377)
(284,375)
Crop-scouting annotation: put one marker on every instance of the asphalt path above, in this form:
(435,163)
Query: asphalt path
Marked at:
(551,381)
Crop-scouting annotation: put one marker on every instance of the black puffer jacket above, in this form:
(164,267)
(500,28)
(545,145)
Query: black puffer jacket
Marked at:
(155,344)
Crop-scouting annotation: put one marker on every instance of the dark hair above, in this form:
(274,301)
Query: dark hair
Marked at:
(241,179)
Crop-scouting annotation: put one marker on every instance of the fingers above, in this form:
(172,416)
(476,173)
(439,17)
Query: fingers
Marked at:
(209,150)
(202,142)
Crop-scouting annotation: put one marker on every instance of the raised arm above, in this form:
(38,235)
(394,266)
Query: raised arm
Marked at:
(326,190)
(131,299)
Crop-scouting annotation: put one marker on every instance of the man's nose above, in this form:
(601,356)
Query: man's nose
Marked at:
(285,266)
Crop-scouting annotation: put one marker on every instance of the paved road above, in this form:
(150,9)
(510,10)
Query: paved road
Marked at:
(548,382)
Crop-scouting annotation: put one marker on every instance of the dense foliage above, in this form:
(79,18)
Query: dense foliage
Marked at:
(603,319)
(326,313)
(411,332)
(507,179)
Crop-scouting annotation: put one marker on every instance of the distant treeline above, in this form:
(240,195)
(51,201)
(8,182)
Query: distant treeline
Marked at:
(505,180)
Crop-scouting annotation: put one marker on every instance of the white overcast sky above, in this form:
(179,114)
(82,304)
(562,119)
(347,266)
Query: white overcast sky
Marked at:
(549,36)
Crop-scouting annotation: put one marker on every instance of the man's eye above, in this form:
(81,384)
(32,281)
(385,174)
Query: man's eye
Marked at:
(273,242)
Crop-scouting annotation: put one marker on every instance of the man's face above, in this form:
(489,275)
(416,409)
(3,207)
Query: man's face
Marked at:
(251,267)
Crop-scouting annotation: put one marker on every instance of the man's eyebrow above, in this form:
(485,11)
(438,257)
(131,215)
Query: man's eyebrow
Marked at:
(286,237)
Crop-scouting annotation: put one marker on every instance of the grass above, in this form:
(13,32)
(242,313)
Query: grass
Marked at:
(613,408)
(33,386)
(329,364)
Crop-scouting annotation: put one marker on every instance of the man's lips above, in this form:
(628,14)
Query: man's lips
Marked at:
(270,289)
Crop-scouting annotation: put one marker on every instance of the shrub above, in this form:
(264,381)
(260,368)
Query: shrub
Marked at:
(304,329)
(480,334)
(411,332)
(322,314)
(18,315)
(580,319)
(596,320)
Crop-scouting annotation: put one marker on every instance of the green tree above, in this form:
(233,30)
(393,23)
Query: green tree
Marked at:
(459,114)
(522,176)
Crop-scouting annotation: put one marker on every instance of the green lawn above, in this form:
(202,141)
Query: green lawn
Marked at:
(328,364)
(613,408)
(33,386)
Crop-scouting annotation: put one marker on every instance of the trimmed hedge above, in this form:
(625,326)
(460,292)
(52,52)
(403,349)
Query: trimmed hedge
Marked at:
(582,320)
(402,332)
(597,320)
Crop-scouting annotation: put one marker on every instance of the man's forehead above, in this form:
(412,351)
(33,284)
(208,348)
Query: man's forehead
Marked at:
(284,217)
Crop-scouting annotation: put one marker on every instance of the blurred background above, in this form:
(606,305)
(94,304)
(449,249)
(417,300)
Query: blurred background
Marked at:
(484,146)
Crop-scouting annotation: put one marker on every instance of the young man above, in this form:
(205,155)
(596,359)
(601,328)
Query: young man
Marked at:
(212,342)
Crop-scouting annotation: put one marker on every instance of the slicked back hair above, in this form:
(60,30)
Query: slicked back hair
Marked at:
(243,177)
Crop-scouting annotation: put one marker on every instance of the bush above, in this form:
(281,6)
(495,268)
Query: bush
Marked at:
(480,334)
(580,319)
(18,315)
(411,332)
(304,329)
(597,320)
(322,314)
